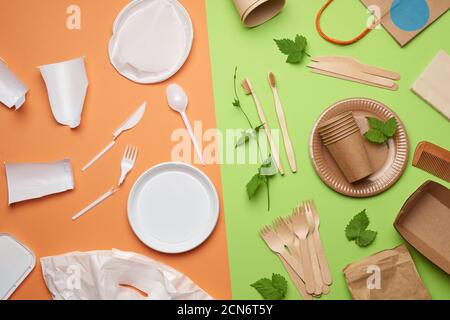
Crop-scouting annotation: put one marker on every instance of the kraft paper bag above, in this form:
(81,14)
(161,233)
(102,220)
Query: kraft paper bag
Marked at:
(432,84)
(256,12)
(405,19)
(387,275)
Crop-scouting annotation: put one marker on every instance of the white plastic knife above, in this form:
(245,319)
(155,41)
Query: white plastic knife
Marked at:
(130,123)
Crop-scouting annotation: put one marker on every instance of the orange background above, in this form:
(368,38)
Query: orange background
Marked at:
(34,33)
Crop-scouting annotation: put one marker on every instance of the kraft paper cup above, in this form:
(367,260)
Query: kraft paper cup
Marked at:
(256,12)
(351,156)
(67,85)
(342,128)
(327,140)
(12,90)
(35,180)
(335,121)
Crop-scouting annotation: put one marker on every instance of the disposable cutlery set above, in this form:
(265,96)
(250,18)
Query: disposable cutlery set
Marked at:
(128,161)
(296,241)
(350,69)
(249,90)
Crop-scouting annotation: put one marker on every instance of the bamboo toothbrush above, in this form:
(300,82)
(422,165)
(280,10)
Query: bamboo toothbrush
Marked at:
(248,89)
(283,125)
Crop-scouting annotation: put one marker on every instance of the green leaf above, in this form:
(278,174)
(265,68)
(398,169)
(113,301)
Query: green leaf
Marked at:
(242,140)
(295,50)
(236,103)
(253,185)
(286,46)
(245,137)
(376,136)
(356,230)
(300,43)
(375,123)
(380,131)
(274,289)
(280,283)
(294,57)
(365,238)
(358,224)
(268,168)
(390,127)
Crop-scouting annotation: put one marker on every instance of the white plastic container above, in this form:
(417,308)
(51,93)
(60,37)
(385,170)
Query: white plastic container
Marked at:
(16,263)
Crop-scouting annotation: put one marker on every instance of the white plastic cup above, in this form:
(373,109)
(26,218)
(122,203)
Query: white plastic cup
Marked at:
(35,180)
(12,90)
(67,85)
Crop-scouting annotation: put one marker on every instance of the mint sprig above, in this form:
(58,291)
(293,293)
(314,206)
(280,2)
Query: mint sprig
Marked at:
(380,132)
(294,49)
(357,230)
(271,289)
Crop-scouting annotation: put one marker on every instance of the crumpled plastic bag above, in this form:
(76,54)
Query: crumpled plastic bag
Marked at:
(115,275)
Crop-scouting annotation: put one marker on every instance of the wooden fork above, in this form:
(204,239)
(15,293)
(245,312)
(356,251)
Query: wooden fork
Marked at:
(301,230)
(326,275)
(312,251)
(277,246)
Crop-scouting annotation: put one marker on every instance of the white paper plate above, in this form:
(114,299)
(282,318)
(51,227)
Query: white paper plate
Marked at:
(173,207)
(151,40)
(16,263)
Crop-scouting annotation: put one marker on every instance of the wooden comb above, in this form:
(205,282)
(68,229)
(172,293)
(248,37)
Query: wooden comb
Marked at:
(433,159)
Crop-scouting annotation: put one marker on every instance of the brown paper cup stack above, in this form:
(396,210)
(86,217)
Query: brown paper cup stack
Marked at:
(342,138)
(256,12)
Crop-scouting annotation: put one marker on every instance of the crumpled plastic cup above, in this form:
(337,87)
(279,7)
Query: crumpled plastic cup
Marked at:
(35,180)
(67,85)
(12,90)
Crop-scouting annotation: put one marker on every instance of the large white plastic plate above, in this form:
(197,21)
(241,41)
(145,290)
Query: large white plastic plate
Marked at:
(16,263)
(151,40)
(173,207)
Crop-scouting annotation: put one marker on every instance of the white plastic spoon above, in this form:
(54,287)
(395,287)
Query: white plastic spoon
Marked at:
(178,101)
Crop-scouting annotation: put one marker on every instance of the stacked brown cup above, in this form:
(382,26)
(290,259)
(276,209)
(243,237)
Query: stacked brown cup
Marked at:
(343,139)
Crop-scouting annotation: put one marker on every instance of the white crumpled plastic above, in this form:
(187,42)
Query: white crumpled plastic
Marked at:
(115,275)
(12,90)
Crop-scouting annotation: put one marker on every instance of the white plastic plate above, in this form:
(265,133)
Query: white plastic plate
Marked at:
(16,263)
(173,207)
(151,40)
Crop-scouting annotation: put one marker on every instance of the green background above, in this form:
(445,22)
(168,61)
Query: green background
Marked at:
(305,96)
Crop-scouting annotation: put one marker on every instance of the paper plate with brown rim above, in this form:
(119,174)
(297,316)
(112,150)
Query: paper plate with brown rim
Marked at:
(388,162)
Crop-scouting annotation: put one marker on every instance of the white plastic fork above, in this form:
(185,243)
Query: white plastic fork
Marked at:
(128,160)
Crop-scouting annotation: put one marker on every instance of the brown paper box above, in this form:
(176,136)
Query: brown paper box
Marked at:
(396,272)
(436,7)
(424,222)
(256,12)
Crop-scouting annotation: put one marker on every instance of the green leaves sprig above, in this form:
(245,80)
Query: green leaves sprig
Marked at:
(271,289)
(357,230)
(380,132)
(294,49)
(267,168)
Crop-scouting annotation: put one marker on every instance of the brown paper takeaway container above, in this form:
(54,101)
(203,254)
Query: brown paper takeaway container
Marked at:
(424,221)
